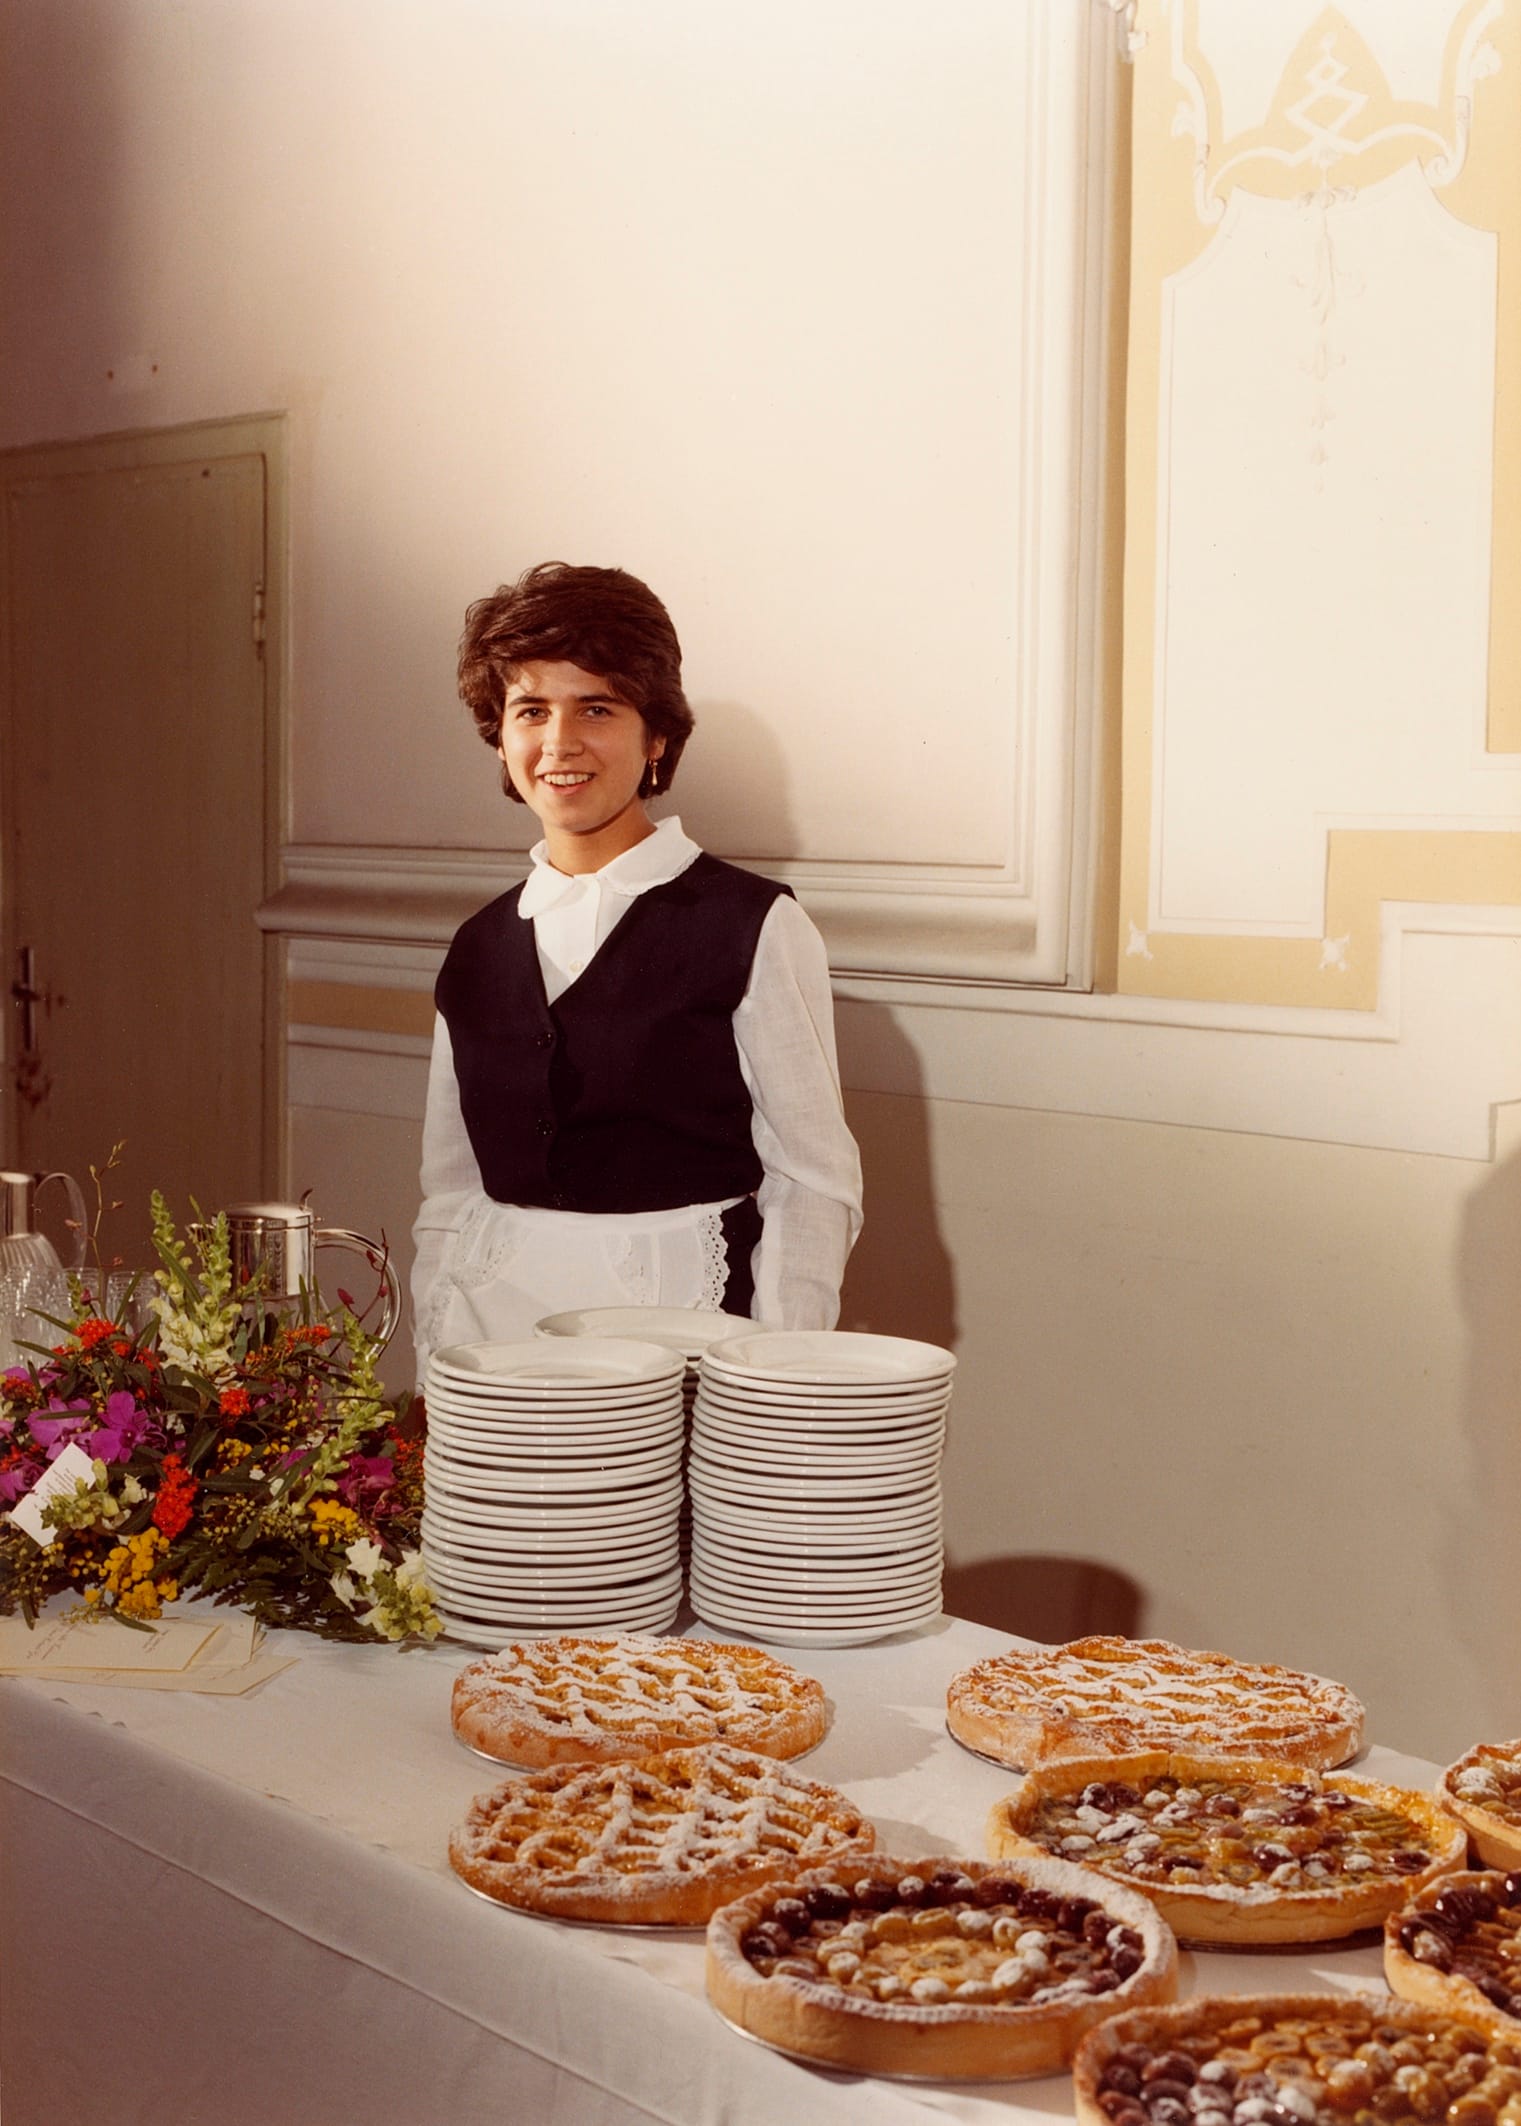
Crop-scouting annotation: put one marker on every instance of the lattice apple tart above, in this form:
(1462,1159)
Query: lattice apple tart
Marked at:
(1109,1697)
(1483,1790)
(1457,1948)
(1309,2059)
(956,1971)
(1235,1851)
(661,1842)
(610,1700)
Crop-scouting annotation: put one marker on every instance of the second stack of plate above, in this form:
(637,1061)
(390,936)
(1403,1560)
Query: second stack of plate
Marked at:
(553,1488)
(815,1485)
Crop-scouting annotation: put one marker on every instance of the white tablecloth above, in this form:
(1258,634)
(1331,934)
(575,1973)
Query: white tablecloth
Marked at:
(239,1912)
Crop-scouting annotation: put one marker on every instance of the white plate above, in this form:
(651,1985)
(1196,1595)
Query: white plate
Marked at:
(492,1638)
(493,1589)
(823,1357)
(532,1406)
(689,1330)
(553,1510)
(539,1408)
(542,1363)
(808,1635)
(604,1488)
(828,1576)
(804,1533)
(590,1609)
(588,1546)
(506,1461)
(656,1555)
(731,1443)
(807,1605)
(873,1419)
(837,1491)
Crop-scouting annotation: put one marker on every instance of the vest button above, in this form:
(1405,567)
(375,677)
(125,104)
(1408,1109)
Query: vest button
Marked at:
(544,1040)
(557,1201)
(546,1128)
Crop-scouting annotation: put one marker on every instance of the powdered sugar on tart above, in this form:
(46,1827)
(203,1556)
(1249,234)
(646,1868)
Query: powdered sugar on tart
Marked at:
(1483,1790)
(1235,1850)
(946,1969)
(1307,2059)
(609,1700)
(1457,1948)
(664,1841)
(1111,1697)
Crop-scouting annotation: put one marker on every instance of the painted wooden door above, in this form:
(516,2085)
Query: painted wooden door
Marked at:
(135,831)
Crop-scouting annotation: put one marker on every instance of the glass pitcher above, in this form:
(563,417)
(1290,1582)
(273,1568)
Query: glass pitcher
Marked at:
(22,1247)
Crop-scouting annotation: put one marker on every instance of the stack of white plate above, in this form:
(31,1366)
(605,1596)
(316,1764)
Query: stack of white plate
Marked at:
(553,1488)
(815,1485)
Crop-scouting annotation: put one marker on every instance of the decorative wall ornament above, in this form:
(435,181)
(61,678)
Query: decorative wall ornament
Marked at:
(1333,110)
(1322,468)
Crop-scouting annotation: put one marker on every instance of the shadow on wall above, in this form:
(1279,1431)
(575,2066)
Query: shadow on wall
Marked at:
(900,1280)
(1480,1554)
(1051,1599)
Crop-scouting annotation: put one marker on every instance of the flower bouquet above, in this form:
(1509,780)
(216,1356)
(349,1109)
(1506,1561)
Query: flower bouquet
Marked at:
(233,1452)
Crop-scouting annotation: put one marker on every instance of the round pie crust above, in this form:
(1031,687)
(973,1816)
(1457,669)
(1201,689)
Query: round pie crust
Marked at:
(1449,1992)
(1212,2016)
(1229,1913)
(956,2041)
(1496,1838)
(1111,1697)
(612,1700)
(661,1842)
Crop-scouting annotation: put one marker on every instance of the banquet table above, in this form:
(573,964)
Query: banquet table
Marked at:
(223,1911)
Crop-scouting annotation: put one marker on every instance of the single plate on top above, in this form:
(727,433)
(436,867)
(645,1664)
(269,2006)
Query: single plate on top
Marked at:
(685,1329)
(819,1357)
(544,1362)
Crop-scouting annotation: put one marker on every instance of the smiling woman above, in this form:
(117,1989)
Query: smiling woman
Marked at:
(634,1097)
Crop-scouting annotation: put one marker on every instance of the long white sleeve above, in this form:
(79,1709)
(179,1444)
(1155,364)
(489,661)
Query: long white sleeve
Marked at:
(810,1198)
(451,1179)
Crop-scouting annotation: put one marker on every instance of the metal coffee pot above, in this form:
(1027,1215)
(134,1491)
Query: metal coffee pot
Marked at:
(280,1241)
(21,1246)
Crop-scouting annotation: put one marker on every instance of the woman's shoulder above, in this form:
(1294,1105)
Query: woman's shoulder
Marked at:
(714,878)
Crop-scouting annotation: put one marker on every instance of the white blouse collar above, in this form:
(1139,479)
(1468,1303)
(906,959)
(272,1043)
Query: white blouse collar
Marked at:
(660,857)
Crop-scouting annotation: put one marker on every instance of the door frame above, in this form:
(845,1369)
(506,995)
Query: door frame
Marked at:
(239,435)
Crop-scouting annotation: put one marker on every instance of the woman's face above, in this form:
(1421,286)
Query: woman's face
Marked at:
(577,754)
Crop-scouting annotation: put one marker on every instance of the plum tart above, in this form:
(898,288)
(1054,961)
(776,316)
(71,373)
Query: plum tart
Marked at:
(1235,1851)
(661,1842)
(1483,1790)
(1457,1948)
(947,1970)
(1109,1697)
(1307,2059)
(611,1700)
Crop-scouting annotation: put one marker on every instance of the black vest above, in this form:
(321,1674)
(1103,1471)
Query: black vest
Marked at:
(626,1093)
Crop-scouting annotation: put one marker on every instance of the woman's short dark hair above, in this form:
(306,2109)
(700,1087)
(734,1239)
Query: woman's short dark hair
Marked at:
(602,619)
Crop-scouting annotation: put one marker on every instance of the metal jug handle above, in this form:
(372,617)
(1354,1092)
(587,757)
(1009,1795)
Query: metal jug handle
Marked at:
(78,1217)
(378,1258)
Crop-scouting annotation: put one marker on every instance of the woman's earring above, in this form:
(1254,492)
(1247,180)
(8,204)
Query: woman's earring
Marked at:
(654,775)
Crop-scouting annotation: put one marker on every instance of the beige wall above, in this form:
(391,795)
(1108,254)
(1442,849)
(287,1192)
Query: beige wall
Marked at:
(739,296)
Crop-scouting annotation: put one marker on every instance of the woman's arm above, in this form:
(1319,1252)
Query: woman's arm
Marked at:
(810,1198)
(450,1179)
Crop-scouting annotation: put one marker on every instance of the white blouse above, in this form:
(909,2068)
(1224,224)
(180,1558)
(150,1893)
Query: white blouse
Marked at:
(489,1269)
